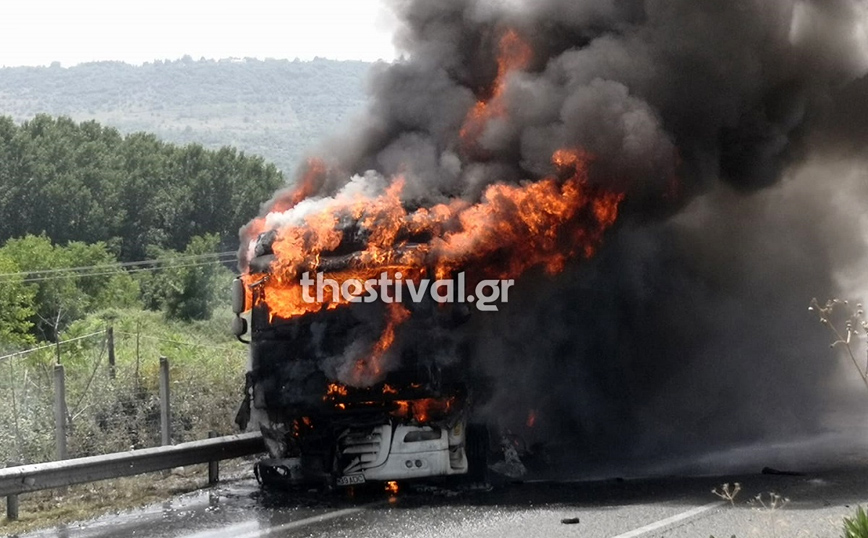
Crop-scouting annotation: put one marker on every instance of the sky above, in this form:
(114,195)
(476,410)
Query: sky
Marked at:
(39,32)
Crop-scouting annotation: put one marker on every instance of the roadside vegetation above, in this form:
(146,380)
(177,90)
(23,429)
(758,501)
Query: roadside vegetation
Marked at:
(109,414)
(120,246)
(856,526)
(849,327)
(104,231)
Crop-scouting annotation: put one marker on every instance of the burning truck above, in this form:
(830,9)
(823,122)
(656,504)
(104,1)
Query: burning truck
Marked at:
(351,390)
(350,427)
(507,141)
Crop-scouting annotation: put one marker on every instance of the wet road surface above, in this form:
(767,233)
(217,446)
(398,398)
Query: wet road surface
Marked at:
(676,503)
(669,506)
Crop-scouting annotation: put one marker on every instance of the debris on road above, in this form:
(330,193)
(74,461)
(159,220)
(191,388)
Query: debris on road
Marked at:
(769,470)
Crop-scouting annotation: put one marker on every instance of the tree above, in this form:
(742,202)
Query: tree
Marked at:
(69,281)
(84,182)
(187,288)
(16,306)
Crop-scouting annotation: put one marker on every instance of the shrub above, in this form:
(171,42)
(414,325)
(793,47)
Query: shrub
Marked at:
(856,526)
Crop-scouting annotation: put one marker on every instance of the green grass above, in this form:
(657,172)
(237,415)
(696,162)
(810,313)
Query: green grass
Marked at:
(856,526)
(108,415)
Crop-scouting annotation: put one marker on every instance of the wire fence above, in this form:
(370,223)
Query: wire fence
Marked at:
(112,394)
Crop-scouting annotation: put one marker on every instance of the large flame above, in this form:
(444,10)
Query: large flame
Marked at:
(419,409)
(510,230)
(424,409)
(371,367)
(513,54)
(306,186)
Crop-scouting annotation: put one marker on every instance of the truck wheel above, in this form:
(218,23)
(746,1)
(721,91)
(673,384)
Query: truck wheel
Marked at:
(477,447)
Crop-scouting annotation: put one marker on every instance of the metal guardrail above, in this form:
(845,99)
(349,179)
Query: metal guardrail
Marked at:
(56,474)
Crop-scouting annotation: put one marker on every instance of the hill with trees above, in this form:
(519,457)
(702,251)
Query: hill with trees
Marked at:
(272,108)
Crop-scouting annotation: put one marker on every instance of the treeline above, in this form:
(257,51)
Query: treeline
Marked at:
(85,182)
(91,220)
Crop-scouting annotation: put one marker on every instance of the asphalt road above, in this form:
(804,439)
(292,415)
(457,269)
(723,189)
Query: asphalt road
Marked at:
(665,506)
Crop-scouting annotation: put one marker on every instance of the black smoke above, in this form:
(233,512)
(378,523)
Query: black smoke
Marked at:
(738,130)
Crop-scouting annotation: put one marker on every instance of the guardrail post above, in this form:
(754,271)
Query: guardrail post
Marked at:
(12,501)
(61,474)
(165,410)
(60,418)
(213,466)
(110,340)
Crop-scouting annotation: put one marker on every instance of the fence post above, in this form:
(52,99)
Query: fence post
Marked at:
(12,500)
(110,333)
(60,417)
(165,410)
(213,466)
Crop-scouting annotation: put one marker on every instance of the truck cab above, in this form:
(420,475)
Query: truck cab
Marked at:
(409,423)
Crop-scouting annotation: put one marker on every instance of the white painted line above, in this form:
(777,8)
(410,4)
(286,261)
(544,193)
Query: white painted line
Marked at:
(230,530)
(670,520)
(252,530)
(303,522)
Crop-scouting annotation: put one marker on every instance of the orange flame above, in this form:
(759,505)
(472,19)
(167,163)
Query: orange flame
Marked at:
(298,249)
(372,366)
(335,390)
(424,409)
(512,229)
(392,488)
(531,418)
(309,183)
(305,187)
(301,424)
(514,54)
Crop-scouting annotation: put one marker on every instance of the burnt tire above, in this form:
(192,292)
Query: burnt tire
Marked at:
(477,448)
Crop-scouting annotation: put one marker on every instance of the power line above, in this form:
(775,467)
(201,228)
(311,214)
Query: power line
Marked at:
(229,346)
(46,346)
(129,264)
(107,273)
(118,265)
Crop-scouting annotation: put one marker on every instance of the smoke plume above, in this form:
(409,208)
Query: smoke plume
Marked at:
(736,130)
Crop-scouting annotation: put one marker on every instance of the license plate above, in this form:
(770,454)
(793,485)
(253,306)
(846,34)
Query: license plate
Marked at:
(351,480)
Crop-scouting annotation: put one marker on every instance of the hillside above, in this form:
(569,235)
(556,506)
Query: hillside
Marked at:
(273,108)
